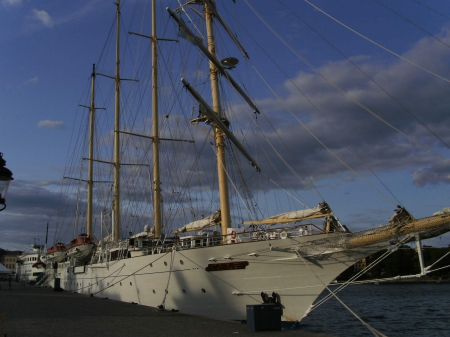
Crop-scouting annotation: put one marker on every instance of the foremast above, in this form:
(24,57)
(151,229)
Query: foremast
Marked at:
(214,113)
(218,134)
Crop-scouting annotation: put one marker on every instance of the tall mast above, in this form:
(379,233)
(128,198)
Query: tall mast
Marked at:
(156,181)
(116,202)
(91,154)
(218,134)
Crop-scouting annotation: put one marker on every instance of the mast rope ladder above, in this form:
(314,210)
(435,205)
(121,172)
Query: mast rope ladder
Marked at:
(248,198)
(232,183)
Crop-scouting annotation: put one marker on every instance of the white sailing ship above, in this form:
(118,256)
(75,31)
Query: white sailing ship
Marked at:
(194,257)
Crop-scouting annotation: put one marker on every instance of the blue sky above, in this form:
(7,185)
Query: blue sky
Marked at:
(47,50)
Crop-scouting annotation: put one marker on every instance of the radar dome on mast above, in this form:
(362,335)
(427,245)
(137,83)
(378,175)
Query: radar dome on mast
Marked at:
(229,62)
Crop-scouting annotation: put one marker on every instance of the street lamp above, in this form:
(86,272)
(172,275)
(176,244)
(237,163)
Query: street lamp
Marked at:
(5,179)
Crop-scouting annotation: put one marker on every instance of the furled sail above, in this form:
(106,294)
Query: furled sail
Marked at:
(148,232)
(209,221)
(444,211)
(322,210)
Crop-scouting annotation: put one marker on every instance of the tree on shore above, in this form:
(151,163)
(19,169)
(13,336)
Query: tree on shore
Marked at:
(403,261)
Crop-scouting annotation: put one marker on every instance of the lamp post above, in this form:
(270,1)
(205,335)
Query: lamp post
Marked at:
(5,179)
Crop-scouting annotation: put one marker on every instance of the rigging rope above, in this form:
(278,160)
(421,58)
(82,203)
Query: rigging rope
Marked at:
(249,200)
(337,87)
(415,25)
(360,273)
(371,329)
(431,9)
(127,276)
(377,44)
(232,183)
(373,81)
(323,144)
(166,291)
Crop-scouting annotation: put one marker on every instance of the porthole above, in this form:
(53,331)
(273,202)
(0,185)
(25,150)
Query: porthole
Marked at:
(165,263)
(203,290)
(131,284)
(151,265)
(120,283)
(181,262)
(154,291)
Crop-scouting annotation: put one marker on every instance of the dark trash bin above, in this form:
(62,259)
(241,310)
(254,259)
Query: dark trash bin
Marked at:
(57,284)
(264,317)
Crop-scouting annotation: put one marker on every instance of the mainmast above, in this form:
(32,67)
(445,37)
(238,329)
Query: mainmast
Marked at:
(218,133)
(91,154)
(116,201)
(156,181)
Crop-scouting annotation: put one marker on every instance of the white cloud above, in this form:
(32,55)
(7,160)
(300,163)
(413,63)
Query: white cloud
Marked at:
(43,17)
(51,124)
(31,80)
(11,3)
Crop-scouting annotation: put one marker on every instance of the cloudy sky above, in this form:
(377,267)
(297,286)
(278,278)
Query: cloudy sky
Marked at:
(370,79)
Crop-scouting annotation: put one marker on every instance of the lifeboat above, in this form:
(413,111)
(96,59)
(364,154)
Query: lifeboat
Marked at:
(81,248)
(56,253)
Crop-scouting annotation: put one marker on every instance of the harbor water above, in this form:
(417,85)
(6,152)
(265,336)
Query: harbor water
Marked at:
(396,310)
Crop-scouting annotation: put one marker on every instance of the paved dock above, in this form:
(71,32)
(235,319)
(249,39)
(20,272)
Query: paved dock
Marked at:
(32,311)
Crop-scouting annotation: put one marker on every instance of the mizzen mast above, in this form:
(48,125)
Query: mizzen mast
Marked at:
(116,200)
(91,155)
(155,139)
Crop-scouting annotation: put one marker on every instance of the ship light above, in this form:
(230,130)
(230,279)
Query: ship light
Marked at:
(5,179)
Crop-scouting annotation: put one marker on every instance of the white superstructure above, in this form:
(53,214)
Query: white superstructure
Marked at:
(29,265)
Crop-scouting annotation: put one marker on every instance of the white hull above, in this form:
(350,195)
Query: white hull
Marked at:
(221,294)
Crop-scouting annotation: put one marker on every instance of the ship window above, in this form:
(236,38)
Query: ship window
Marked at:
(165,263)
(131,284)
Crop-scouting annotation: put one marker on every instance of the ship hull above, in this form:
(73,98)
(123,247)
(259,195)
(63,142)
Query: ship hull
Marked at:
(179,279)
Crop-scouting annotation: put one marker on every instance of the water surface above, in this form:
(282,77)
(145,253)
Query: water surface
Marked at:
(393,309)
